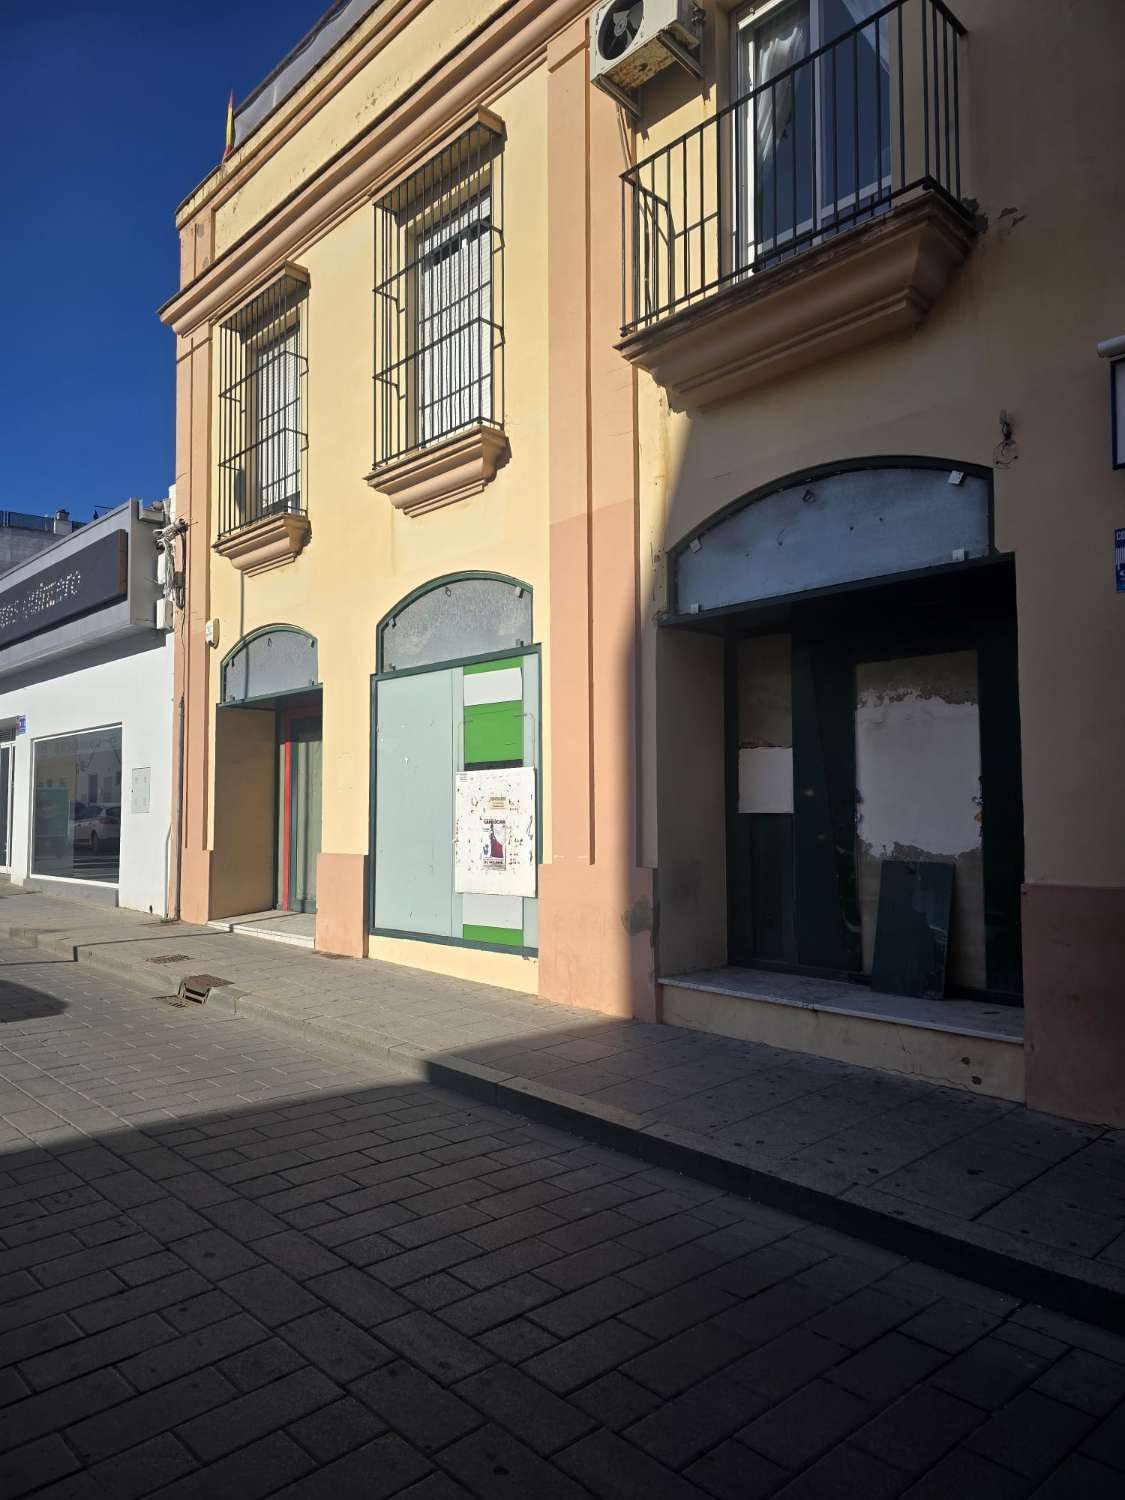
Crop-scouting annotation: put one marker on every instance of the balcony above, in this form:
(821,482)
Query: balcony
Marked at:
(819,212)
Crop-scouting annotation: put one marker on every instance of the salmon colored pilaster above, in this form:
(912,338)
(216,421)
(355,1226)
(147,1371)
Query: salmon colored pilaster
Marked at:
(192,666)
(595,903)
(341,904)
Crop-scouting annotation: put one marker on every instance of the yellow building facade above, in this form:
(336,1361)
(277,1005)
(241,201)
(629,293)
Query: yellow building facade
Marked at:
(638,529)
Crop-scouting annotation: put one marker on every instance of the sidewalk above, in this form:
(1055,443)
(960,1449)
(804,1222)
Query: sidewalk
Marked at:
(1028,1203)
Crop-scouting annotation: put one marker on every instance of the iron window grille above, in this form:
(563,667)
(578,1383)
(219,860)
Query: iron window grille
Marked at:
(439,296)
(833,125)
(263,369)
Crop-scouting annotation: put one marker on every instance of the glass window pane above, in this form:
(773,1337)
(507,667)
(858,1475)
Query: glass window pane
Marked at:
(76,829)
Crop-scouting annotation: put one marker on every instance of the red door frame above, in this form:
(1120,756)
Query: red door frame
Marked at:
(310,709)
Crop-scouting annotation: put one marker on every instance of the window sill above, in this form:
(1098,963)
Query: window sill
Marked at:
(268,543)
(428,478)
(874,282)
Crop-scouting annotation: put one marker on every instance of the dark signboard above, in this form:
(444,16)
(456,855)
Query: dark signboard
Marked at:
(88,579)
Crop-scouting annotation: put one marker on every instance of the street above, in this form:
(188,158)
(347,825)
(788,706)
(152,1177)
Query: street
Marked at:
(235,1264)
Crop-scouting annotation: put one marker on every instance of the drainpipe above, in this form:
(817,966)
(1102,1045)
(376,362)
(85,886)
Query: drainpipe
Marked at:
(179,804)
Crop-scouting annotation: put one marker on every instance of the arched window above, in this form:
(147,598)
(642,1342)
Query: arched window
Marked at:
(450,619)
(832,527)
(277,659)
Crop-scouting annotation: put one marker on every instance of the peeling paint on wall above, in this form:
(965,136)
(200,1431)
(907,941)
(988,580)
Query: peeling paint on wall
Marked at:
(917,729)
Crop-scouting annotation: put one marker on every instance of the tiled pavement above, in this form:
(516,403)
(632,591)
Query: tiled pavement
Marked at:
(1026,1200)
(236,1263)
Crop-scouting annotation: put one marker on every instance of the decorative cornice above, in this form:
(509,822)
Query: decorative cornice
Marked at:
(356,173)
(873,282)
(268,543)
(432,477)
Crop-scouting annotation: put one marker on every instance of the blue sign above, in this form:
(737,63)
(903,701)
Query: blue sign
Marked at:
(21,724)
(1119,558)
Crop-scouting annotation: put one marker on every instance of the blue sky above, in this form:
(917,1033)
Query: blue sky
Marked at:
(110,113)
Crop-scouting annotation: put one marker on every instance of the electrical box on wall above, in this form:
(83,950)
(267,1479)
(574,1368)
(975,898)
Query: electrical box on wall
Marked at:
(164,614)
(632,40)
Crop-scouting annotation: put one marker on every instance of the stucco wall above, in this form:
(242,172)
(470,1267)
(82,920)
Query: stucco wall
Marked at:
(113,685)
(364,555)
(1016,331)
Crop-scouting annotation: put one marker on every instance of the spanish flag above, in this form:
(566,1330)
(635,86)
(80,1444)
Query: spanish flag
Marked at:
(230,126)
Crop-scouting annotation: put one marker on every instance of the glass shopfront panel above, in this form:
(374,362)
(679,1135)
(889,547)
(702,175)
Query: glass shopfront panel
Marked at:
(76,829)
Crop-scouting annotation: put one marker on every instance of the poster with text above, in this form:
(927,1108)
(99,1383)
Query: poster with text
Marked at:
(494,832)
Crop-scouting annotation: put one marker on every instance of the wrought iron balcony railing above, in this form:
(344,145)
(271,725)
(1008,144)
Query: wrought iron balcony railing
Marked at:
(834,139)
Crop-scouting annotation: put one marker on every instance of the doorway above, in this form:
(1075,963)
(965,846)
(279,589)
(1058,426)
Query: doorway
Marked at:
(875,726)
(299,762)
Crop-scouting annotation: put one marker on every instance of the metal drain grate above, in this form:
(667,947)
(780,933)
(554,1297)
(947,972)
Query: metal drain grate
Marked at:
(196,987)
(170,958)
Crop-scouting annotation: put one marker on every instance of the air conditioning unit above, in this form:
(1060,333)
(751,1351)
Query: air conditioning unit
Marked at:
(164,617)
(630,40)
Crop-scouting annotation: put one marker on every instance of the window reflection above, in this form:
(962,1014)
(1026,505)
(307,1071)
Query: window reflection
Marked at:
(77,820)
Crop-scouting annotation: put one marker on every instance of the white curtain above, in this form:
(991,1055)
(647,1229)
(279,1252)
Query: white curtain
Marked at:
(453,344)
(777,47)
(277,397)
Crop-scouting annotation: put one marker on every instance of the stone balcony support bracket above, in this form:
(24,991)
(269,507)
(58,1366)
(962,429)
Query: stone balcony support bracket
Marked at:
(427,478)
(268,543)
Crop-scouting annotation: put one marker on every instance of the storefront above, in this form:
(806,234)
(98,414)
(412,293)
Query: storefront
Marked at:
(86,715)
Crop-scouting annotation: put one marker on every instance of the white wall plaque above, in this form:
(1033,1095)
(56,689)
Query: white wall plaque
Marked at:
(494,832)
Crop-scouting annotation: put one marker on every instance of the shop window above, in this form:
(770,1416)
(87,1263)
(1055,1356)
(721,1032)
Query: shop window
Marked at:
(439,298)
(456,740)
(76,832)
(263,368)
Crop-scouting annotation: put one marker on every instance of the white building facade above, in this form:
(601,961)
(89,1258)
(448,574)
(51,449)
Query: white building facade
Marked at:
(86,716)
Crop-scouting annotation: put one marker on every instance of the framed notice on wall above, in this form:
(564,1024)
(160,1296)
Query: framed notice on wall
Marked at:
(494,832)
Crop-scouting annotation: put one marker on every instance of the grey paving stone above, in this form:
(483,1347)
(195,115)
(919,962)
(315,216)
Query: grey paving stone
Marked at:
(810,1422)
(861,1318)
(949,1326)
(270,1295)
(613,1469)
(786,1363)
(192,1351)
(517,1341)
(684,1429)
(498,1304)
(579,1360)
(257,1414)
(578,1310)
(147,1467)
(916,1432)
(492,1462)
(962,1473)
(34,1464)
(1085,1380)
(1031,1435)
(887,1368)
(1079,1478)
(96,1351)
(989,1373)
(55,1408)
(844,1473)
(1107,1442)
(533,1414)
(336,1429)
(418,1408)
(440,1350)
(215,1254)
(378,1469)
(262,1362)
(734,1472)
(255,1471)
(132,1421)
(121,1306)
(673,1311)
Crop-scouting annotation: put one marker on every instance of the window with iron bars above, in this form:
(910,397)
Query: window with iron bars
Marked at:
(263,367)
(439,334)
